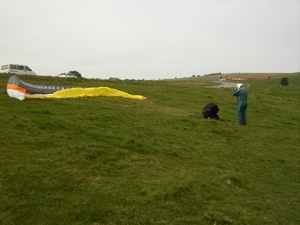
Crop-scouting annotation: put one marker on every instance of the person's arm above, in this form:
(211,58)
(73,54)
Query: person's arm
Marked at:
(236,92)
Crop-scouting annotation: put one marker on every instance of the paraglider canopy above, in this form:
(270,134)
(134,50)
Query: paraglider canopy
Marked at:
(18,89)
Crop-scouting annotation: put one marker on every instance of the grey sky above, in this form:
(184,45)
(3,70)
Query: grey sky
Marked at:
(151,39)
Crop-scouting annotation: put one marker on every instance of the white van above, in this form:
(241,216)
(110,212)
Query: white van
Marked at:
(16,69)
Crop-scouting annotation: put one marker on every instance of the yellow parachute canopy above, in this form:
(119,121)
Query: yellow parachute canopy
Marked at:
(87,92)
(18,89)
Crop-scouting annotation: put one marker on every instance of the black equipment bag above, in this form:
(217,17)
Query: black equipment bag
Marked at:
(210,111)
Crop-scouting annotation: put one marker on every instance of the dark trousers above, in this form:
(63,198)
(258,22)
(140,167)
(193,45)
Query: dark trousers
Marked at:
(241,112)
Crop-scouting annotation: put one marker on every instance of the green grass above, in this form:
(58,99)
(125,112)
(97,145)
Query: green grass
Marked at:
(108,160)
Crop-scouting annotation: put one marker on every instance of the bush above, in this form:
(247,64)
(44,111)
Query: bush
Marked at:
(284,81)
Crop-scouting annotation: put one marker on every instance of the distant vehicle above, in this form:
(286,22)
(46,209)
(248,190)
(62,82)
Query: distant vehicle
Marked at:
(16,69)
(62,75)
(67,75)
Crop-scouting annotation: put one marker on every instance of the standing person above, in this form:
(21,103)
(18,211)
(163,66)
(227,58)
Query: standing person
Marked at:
(242,96)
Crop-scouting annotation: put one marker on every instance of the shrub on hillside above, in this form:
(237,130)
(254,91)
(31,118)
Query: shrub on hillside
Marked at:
(284,81)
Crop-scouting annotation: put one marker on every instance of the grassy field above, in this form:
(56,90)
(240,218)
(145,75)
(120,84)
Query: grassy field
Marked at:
(108,160)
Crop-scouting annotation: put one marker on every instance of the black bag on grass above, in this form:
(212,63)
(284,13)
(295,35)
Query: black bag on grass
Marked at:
(210,111)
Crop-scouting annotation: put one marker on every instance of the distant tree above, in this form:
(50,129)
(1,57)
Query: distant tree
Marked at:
(284,81)
(76,73)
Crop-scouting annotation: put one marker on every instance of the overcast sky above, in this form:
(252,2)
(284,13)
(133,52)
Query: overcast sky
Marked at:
(151,39)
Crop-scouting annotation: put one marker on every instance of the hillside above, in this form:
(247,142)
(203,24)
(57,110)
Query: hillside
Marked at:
(108,160)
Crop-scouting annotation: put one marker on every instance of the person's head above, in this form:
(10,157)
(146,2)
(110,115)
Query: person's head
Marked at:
(239,85)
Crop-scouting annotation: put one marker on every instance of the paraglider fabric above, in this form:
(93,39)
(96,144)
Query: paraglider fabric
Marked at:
(18,89)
